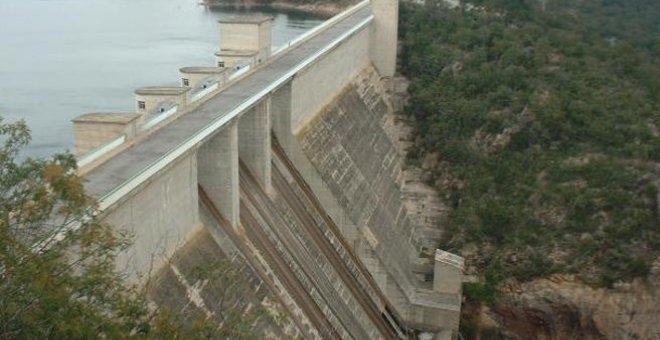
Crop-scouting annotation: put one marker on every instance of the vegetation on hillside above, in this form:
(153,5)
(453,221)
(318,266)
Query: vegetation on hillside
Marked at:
(543,118)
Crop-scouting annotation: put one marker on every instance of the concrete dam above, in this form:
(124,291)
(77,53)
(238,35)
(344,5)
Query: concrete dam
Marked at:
(279,174)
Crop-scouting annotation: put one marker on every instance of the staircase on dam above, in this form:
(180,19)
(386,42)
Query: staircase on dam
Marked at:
(267,194)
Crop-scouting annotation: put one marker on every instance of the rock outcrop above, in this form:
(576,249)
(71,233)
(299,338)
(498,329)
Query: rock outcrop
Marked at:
(562,307)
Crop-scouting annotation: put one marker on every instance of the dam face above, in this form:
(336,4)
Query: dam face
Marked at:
(279,203)
(320,278)
(355,157)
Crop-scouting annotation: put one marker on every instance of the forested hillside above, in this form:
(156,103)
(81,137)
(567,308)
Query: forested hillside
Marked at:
(541,123)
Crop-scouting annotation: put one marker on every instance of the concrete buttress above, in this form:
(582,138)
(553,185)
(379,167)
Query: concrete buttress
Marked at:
(254,142)
(217,172)
(384,36)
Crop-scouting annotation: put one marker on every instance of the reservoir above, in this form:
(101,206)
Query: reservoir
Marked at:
(63,58)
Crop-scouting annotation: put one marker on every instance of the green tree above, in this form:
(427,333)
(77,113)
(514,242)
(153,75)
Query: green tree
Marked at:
(57,260)
(544,117)
(57,264)
(57,276)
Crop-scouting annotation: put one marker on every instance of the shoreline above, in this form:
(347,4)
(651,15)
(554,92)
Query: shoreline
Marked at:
(325,9)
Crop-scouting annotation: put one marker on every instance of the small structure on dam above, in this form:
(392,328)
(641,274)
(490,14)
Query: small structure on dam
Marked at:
(97,128)
(153,100)
(201,75)
(244,40)
(282,165)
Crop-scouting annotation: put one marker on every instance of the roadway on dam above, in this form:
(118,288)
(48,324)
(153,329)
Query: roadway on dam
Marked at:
(177,137)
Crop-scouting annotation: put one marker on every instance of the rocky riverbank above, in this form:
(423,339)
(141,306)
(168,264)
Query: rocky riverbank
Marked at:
(321,8)
(563,307)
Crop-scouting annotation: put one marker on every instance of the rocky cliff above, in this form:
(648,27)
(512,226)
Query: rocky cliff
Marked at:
(562,307)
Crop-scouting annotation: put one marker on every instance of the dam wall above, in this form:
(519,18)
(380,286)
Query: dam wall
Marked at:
(291,174)
(315,86)
(160,215)
(357,162)
(346,155)
(209,281)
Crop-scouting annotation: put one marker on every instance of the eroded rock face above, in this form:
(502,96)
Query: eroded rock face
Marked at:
(562,307)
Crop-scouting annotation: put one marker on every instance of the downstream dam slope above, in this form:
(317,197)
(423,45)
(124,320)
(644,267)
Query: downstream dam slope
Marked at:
(291,268)
(209,283)
(358,162)
(284,272)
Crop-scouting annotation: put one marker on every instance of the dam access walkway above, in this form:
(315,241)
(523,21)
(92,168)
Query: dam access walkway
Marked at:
(133,166)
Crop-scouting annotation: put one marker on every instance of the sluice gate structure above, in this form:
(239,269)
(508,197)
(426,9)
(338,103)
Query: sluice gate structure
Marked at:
(278,160)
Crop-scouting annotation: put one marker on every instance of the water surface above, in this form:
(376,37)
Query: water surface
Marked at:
(62,58)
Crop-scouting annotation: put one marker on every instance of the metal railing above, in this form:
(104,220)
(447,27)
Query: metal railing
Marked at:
(99,151)
(240,70)
(299,39)
(160,116)
(204,91)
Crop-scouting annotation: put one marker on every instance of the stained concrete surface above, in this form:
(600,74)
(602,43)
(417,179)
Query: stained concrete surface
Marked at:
(348,145)
(201,283)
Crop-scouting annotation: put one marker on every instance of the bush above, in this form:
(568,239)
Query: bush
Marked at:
(547,127)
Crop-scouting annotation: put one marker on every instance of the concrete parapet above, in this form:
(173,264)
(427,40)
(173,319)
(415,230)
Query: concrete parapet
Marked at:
(154,99)
(384,33)
(254,142)
(92,130)
(217,172)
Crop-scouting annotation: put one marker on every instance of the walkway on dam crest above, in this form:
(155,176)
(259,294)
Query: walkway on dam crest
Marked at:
(178,137)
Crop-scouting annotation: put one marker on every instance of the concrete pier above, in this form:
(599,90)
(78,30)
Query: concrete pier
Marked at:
(280,108)
(254,142)
(384,33)
(217,162)
(244,37)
